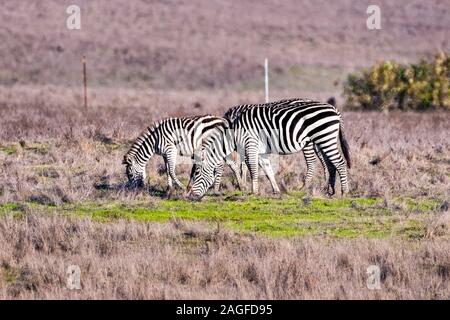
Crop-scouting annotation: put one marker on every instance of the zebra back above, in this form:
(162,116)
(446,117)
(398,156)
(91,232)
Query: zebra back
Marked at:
(186,133)
(233,113)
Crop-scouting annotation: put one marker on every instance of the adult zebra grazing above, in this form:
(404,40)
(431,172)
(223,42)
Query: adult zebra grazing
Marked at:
(283,127)
(310,151)
(169,138)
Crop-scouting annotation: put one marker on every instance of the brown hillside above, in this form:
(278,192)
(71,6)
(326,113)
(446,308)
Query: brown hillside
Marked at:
(209,44)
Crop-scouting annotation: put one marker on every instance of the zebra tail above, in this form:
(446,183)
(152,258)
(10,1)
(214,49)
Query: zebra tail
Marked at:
(345,147)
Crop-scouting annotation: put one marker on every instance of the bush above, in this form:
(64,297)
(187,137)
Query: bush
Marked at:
(391,86)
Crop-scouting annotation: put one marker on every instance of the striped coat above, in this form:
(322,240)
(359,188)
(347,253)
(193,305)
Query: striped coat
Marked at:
(310,151)
(168,138)
(282,127)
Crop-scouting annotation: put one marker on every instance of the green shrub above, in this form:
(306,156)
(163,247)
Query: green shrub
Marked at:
(391,86)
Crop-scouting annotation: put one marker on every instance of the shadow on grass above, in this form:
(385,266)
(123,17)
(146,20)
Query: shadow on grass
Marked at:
(153,191)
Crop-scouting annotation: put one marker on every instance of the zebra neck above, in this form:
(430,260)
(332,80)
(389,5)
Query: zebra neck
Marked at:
(221,149)
(143,153)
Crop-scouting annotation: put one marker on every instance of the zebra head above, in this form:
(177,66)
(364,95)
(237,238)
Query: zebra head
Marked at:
(214,149)
(203,177)
(134,171)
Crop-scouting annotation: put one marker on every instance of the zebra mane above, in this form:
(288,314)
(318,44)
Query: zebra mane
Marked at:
(283,101)
(280,102)
(232,113)
(270,104)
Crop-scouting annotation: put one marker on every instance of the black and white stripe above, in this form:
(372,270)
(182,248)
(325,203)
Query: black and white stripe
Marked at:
(282,127)
(310,151)
(169,138)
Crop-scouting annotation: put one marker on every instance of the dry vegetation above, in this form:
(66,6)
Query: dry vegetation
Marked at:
(129,260)
(211,44)
(60,164)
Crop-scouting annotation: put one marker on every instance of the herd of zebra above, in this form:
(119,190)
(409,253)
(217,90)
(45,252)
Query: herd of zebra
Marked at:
(254,131)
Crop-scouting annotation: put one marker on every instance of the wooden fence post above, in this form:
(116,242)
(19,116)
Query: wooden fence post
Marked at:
(83,61)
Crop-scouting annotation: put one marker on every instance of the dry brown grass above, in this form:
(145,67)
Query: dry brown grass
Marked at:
(129,260)
(212,44)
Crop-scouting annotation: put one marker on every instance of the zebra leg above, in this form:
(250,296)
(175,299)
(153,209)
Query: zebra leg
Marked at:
(264,162)
(171,156)
(333,155)
(331,181)
(244,173)
(251,159)
(234,167)
(243,166)
(191,177)
(218,177)
(322,160)
(343,175)
(310,159)
(169,178)
(331,178)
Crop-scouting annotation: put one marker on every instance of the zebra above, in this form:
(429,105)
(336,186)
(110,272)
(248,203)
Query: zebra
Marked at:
(310,151)
(169,138)
(283,127)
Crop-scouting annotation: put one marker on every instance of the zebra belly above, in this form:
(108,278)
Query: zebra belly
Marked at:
(271,147)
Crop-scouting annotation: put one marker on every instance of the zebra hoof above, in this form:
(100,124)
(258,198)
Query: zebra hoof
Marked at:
(194,198)
(278,195)
(331,192)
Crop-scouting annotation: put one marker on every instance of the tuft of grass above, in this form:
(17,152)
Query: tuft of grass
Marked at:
(9,274)
(38,148)
(421,205)
(8,149)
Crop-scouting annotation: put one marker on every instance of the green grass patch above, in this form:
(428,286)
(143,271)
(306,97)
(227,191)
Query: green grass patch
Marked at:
(421,205)
(287,216)
(10,274)
(38,148)
(8,149)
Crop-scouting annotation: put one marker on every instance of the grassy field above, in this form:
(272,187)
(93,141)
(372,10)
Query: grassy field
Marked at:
(284,216)
(63,199)
(63,202)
